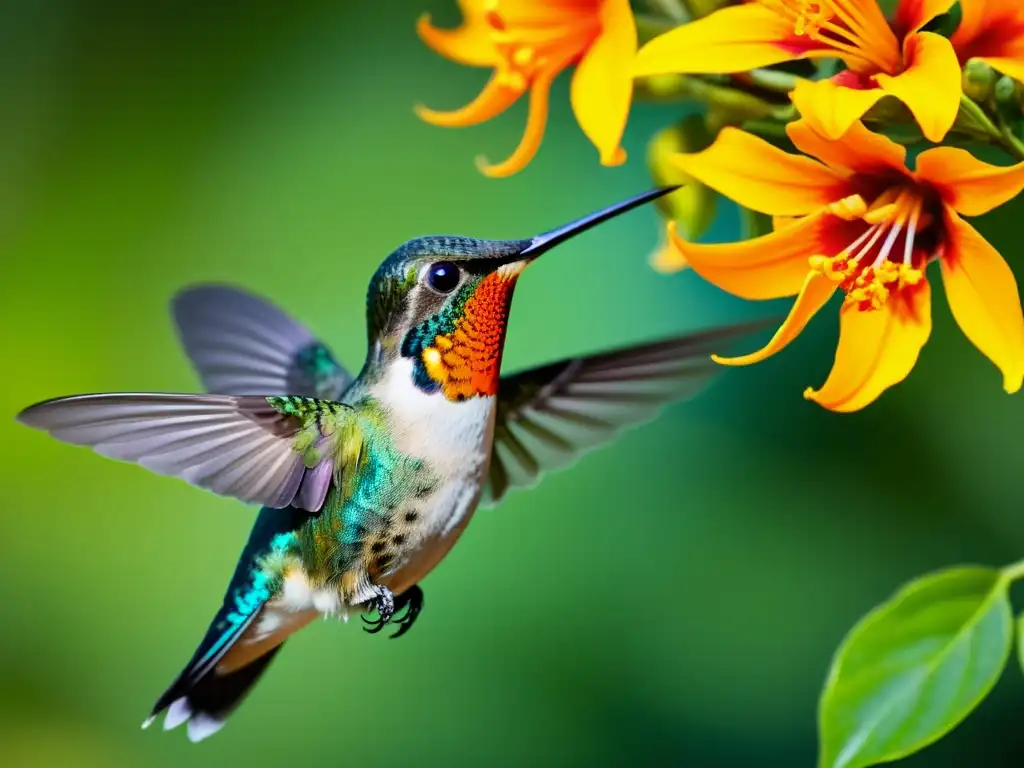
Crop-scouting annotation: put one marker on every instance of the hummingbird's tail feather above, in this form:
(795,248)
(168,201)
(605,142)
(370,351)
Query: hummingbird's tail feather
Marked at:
(205,707)
(237,647)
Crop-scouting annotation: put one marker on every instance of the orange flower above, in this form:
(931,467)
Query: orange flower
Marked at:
(898,59)
(993,31)
(528,43)
(860,221)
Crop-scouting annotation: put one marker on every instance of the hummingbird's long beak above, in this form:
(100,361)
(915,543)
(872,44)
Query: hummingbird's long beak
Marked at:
(549,240)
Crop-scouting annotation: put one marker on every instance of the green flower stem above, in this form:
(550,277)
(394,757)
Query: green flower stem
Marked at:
(1011,141)
(975,118)
(773,80)
(673,10)
(650,26)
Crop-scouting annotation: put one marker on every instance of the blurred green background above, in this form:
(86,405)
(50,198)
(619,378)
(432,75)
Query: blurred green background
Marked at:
(674,598)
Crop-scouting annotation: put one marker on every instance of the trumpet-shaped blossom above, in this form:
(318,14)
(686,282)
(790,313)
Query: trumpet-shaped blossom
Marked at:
(860,222)
(528,43)
(993,31)
(882,58)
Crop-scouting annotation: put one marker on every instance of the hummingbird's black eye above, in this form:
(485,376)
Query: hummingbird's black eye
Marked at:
(443,277)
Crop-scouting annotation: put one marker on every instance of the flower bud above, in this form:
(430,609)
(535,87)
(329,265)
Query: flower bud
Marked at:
(1006,91)
(978,80)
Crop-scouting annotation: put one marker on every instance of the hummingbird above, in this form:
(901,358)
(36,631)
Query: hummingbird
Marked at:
(365,482)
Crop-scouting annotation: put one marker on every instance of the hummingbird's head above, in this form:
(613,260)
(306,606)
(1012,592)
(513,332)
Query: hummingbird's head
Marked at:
(443,302)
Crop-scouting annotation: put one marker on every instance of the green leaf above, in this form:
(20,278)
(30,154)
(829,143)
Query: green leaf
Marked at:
(914,667)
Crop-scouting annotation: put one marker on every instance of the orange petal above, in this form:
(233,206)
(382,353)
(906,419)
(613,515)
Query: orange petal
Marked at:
(471,43)
(815,293)
(859,150)
(732,39)
(911,15)
(536,121)
(877,349)
(989,28)
(495,98)
(930,84)
(602,86)
(761,177)
(967,184)
(982,294)
(830,108)
(766,267)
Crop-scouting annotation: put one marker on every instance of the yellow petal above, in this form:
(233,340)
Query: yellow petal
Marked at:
(761,177)
(983,297)
(930,84)
(766,267)
(911,15)
(967,184)
(831,109)
(815,293)
(602,86)
(859,150)
(732,39)
(877,349)
(495,98)
(1011,67)
(471,43)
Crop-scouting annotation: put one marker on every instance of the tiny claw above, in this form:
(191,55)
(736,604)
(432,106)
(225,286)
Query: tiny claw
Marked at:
(412,601)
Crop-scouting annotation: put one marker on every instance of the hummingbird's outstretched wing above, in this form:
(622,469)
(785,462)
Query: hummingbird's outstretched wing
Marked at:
(241,344)
(273,451)
(547,417)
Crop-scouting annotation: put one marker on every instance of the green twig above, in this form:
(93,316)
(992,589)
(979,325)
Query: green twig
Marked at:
(1011,141)
(673,10)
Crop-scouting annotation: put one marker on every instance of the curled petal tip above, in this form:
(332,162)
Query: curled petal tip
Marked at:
(496,170)
(1012,384)
(667,259)
(729,361)
(613,158)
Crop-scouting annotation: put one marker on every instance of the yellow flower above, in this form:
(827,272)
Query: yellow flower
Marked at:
(993,31)
(528,43)
(859,220)
(898,59)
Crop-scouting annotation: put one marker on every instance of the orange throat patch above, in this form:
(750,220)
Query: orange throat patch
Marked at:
(466,362)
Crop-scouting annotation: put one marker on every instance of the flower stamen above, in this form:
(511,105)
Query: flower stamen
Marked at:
(858,32)
(894,213)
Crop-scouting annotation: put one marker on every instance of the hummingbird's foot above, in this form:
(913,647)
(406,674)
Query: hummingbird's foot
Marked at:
(384,603)
(411,600)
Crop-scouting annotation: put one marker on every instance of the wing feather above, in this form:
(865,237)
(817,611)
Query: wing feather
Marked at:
(547,417)
(238,446)
(243,345)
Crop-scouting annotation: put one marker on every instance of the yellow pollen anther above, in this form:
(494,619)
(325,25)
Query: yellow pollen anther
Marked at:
(837,268)
(522,57)
(849,208)
(909,276)
(809,18)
